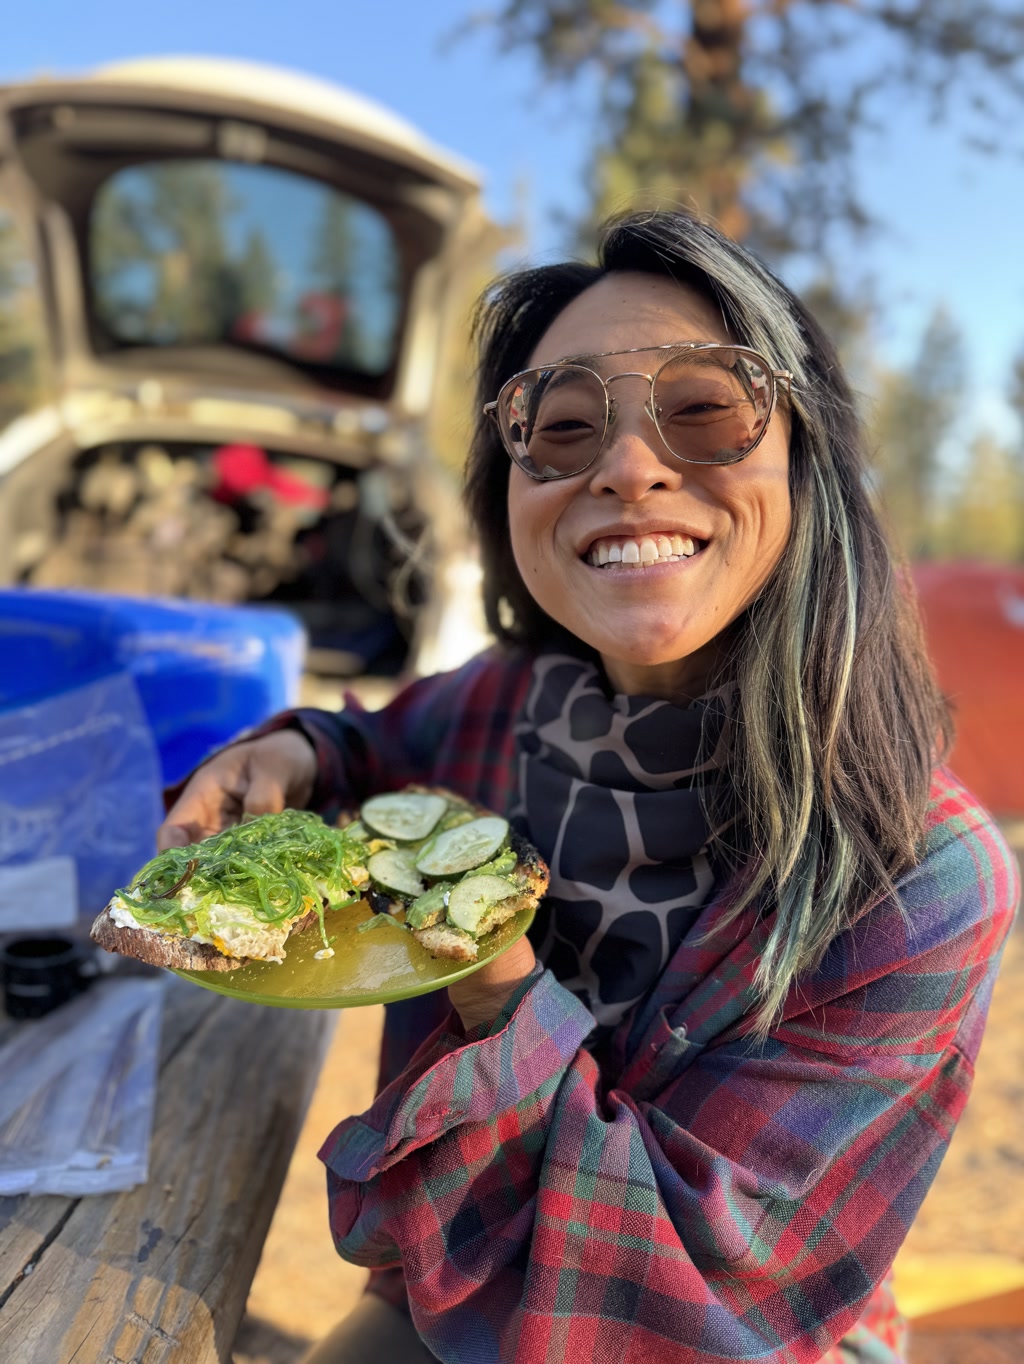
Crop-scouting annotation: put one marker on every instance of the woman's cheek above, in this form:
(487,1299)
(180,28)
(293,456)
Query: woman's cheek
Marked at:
(533,512)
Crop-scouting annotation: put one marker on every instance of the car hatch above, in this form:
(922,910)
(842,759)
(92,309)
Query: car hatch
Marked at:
(229,233)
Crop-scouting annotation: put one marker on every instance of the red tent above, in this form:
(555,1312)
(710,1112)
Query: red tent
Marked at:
(974,617)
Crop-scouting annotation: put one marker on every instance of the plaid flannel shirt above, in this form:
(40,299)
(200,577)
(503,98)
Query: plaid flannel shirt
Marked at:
(699,1195)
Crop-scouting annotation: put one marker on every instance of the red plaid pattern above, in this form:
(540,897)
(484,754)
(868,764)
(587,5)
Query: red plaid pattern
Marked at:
(702,1196)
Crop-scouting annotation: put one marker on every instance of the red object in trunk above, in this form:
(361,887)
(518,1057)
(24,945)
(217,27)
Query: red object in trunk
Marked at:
(245,469)
(974,619)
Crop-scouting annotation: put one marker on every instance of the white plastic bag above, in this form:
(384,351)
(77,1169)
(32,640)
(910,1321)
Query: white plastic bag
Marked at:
(77,1090)
(80,779)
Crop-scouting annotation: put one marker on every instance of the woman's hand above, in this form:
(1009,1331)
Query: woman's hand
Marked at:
(258,777)
(479,998)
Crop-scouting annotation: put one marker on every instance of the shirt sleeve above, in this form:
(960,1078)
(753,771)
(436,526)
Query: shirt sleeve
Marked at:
(734,1200)
(454,725)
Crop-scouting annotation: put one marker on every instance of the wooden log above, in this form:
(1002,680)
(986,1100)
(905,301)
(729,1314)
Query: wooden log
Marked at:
(159,1274)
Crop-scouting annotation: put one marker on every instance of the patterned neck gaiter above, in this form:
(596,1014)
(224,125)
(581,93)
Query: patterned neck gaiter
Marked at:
(612,790)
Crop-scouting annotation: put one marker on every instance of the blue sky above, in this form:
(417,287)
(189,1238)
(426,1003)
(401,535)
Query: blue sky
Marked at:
(953,234)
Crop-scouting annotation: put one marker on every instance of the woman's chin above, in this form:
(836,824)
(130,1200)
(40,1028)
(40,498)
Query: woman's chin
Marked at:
(646,648)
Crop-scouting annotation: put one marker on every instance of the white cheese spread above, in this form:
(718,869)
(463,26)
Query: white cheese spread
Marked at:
(234,929)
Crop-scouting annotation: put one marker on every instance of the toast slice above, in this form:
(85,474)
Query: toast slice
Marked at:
(171,950)
(236,897)
(439,935)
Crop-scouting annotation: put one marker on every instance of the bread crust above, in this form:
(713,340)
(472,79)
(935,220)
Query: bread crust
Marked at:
(530,866)
(185,954)
(174,951)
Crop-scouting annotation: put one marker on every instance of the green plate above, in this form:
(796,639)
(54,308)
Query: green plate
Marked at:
(376,967)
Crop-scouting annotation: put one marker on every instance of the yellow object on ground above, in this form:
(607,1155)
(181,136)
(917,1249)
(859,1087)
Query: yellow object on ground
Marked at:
(929,1284)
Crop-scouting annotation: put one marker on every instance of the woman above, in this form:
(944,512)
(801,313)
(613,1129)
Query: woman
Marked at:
(693,1114)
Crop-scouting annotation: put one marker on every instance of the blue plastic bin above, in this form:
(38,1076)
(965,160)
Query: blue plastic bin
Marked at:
(203,671)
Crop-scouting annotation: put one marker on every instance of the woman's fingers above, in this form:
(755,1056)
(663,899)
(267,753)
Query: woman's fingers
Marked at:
(265,793)
(281,773)
(172,836)
(258,777)
(210,801)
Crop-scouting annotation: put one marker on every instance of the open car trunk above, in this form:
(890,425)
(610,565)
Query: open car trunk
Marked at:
(240,523)
(245,276)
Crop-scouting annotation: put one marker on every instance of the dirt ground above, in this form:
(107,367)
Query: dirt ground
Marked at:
(302,1288)
(965,1252)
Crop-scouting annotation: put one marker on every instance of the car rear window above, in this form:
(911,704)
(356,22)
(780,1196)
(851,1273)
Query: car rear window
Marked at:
(201,252)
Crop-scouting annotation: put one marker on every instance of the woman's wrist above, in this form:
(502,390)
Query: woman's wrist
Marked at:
(479,998)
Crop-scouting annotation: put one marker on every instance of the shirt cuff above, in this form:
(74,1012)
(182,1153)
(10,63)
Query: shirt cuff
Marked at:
(465,1079)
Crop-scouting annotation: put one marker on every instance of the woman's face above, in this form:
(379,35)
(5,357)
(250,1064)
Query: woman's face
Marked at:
(653,624)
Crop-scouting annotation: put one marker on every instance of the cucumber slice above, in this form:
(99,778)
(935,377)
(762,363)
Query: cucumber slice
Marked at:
(472,900)
(393,870)
(356,830)
(460,849)
(405,815)
(429,908)
(502,865)
(455,817)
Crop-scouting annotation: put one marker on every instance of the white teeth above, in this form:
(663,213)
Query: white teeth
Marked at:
(650,549)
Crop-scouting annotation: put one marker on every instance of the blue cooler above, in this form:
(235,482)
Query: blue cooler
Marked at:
(202,671)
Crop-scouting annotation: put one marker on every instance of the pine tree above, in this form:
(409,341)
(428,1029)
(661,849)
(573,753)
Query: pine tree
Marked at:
(982,516)
(751,109)
(257,274)
(911,418)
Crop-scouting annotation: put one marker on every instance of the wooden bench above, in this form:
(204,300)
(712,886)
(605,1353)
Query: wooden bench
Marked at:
(160,1274)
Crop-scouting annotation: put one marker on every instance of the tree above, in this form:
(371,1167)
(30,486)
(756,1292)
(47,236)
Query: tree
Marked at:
(334,245)
(982,517)
(198,298)
(334,264)
(912,416)
(751,108)
(170,217)
(1016,450)
(1016,393)
(257,274)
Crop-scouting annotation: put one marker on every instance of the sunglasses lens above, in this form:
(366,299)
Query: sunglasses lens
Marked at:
(712,406)
(554,420)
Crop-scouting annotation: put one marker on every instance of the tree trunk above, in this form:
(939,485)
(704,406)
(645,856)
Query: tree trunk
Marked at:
(720,106)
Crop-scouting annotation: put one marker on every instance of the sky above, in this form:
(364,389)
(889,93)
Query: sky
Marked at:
(953,221)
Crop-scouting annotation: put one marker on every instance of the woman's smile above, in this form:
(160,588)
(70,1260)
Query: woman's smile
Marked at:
(642,551)
(643,556)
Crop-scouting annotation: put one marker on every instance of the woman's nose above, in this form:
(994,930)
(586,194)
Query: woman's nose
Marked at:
(634,460)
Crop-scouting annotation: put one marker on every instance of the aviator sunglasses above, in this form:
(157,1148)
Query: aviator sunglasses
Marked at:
(710,402)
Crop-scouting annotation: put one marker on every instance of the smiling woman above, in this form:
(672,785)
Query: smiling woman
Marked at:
(692,1115)
(651,617)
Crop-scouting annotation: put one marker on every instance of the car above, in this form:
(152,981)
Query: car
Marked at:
(225,295)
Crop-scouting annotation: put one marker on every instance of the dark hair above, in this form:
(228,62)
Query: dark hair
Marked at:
(839,719)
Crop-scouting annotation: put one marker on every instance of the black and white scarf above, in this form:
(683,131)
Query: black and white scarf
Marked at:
(610,794)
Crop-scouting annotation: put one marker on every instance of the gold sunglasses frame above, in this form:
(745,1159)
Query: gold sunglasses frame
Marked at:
(778,377)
